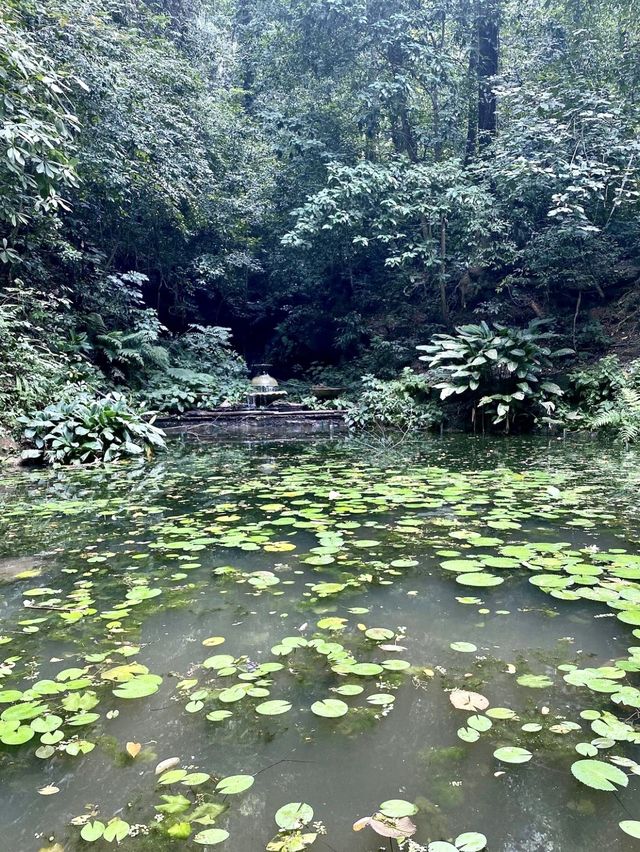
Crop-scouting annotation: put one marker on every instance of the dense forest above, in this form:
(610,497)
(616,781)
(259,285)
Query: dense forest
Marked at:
(189,186)
(320,425)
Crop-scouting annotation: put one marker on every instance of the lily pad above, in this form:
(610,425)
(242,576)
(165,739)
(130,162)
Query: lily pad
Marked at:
(599,775)
(513,754)
(330,708)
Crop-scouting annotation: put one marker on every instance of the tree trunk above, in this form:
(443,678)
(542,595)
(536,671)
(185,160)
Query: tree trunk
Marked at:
(442,279)
(472,116)
(488,28)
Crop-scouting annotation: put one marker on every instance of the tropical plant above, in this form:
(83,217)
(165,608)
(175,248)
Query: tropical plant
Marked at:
(178,390)
(591,386)
(398,404)
(497,368)
(34,366)
(37,128)
(85,429)
(621,417)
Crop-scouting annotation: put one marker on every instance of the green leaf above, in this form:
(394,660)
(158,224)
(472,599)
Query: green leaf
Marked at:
(273,708)
(234,784)
(180,830)
(470,841)
(116,829)
(397,808)
(211,836)
(172,776)
(329,708)
(534,681)
(512,754)
(599,775)
(631,827)
(92,831)
(463,647)
(139,687)
(194,779)
(174,804)
(19,736)
(293,815)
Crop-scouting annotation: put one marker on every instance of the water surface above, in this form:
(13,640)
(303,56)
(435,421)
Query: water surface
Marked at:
(138,566)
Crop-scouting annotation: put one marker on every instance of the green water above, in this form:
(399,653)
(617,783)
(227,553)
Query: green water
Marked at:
(129,579)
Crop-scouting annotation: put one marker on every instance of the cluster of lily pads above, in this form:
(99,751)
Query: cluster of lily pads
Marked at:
(327,531)
(255,680)
(177,815)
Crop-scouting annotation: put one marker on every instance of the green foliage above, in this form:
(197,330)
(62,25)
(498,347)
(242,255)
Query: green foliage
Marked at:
(34,366)
(621,417)
(396,404)
(591,386)
(208,348)
(318,176)
(498,368)
(605,397)
(84,429)
(37,129)
(205,371)
(178,390)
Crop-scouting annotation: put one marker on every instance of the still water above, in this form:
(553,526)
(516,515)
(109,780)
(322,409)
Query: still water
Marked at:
(196,608)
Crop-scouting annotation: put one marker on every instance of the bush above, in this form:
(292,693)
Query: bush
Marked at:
(205,372)
(33,368)
(497,368)
(591,386)
(621,417)
(605,397)
(180,390)
(84,429)
(208,348)
(401,404)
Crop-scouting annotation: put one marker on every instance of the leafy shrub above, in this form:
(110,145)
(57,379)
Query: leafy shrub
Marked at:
(180,390)
(605,397)
(498,368)
(401,403)
(208,348)
(33,370)
(132,354)
(621,416)
(205,371)
(84,429)
(591,386)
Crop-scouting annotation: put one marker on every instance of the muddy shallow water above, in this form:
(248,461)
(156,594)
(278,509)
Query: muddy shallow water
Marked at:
(144,593)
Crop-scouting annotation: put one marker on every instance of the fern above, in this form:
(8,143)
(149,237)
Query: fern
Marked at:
(132,349)
(623,417)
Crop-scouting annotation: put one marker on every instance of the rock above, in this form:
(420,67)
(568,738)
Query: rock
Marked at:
(8,445)
(13,565)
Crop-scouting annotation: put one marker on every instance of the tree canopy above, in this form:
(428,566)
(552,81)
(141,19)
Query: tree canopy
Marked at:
(334,180)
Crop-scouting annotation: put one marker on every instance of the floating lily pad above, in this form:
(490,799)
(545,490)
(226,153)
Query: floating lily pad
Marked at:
(512,754)
(397,808)
(599,775)
(293,815)
(463,647)
(479,580)
(273,708)
(234,784)
(330,708)
(211,836)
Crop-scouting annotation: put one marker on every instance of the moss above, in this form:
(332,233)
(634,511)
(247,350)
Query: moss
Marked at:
(438,757)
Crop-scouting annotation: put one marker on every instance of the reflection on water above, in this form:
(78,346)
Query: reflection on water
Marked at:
(256,544)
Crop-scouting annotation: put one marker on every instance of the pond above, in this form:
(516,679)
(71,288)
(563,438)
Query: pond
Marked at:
(190,645)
